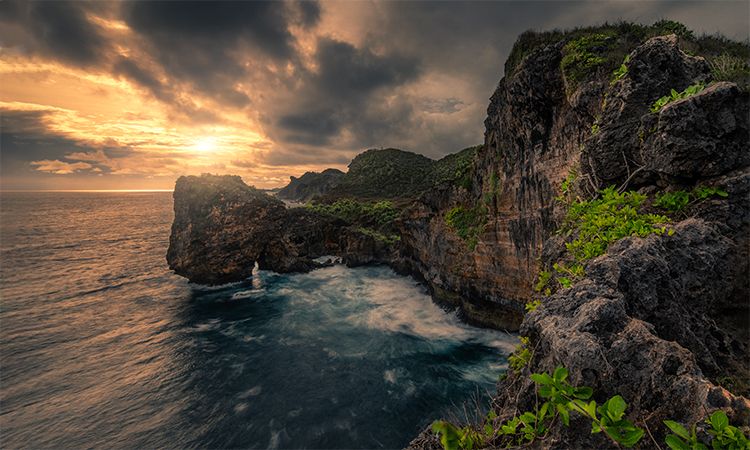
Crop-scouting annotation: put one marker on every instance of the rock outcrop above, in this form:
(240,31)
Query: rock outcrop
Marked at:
(662,321)
(310,185)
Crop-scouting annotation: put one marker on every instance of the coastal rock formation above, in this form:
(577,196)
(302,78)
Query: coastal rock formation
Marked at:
(310,185)
(663,320)
(222,228)
(660,320)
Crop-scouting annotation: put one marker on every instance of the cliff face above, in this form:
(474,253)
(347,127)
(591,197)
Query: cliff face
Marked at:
(660,320)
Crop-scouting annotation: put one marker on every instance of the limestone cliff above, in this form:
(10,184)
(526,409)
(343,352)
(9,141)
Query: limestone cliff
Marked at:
(659,319)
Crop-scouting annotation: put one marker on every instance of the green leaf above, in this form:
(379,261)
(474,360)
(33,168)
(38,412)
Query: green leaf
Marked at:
(543,411)
(584,392)
(561,373)
(595,428)
(541,378)
(676,443)
(631,437)
(528,418)
(677,429)
(719,420)
(616,408)
(564,414)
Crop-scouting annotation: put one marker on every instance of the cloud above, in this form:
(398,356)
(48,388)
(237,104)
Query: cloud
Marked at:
(58,167)
(58,29)
(282,86)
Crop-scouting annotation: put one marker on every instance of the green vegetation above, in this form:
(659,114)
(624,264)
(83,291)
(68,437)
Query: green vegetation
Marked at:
(601,221)
(394,174)
(388,239)
(380,213)
(674,96)
(467,223)
(385,174)
(673,27)
(533,305)
(494,190)
(582,56)
(520,356)
(591,226)
(560,399)
(678,200)
(621,71)
(728,59)
(724,436)
(726,67)
(595,128)
(456,168)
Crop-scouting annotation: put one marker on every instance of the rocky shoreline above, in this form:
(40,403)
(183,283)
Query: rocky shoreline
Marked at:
(660,317)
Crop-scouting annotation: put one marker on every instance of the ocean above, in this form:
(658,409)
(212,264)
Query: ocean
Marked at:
(101,346)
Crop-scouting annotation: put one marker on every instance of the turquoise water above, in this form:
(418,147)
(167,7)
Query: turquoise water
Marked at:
(102,346)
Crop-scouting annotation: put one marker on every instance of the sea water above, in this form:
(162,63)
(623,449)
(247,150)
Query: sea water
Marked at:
(102,346)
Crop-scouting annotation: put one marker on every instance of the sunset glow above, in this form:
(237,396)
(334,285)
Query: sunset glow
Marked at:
(132,95)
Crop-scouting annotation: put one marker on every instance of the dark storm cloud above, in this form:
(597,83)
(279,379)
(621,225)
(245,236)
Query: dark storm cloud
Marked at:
(417,76)
(58,29)
(25,137)
(222,23)
(201,42)
(341,93)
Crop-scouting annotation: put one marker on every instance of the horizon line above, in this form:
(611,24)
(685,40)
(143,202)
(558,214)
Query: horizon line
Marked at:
(86,190)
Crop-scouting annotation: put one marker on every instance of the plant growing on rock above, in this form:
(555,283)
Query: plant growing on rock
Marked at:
(560,399)
(724,436)
(674,96)
(621,71)
(599,222)
(678,200)
(467,223)
(521,355)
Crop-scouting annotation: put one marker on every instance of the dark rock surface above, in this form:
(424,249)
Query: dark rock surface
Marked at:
(222,227)
(310,185)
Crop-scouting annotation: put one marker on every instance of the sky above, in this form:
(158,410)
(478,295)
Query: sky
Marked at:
(131,95)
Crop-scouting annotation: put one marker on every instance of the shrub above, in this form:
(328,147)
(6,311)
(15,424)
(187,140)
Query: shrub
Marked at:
(381,213)
(673,27)
(520,356)
(678,200)
(599,222)
(674,96)
(621,71)
(560,399)
(583,55)
(467,223)
(724,436)
(730,68)
(388,239)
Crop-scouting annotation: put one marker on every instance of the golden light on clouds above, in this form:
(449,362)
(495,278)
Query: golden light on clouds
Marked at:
(131,95)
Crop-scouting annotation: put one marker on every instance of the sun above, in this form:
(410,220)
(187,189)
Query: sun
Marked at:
(206,144)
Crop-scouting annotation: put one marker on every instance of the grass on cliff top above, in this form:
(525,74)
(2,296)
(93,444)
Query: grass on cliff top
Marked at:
(603,48)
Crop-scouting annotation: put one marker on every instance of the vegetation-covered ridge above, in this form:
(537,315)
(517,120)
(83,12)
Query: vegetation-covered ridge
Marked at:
(602,49)
(389,174)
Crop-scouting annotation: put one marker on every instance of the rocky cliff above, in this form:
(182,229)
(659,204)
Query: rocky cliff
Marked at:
(659,316)
(310,185)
